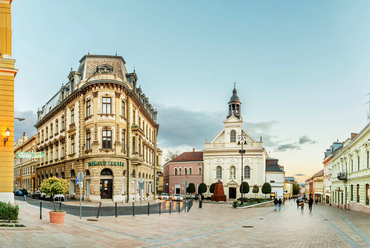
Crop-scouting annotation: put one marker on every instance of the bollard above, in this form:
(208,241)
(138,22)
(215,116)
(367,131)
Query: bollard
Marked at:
(160,208)
(178,204)
(40,210)
(60,206)
(133,209)
(148,208)
(200,203)
(170,206)
(99,210)
(115,208)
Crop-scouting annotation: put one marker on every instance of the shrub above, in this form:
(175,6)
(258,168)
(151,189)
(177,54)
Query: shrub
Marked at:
(245,187)
(212,188)
(202,188)
(8,211)
(191,188)
(266,188)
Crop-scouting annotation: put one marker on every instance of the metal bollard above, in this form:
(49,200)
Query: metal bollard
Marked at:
(148,208)
(170,206)
(160,208)
(178,206)
(40,210)
(60,206)
(115,208)
(133,209)
(99,210)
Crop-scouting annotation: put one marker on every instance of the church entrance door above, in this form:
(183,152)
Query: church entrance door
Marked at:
(232,192)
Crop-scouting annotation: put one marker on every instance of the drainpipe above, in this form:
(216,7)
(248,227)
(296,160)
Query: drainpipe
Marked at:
(128,148)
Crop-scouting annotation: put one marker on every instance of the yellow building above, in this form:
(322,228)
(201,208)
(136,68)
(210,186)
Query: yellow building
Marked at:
(100,123)
(24,164)
(7,74)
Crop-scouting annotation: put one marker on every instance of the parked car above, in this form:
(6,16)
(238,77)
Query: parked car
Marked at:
(37,194)
(18,192)
(59,197)
(177,197)
(165,196)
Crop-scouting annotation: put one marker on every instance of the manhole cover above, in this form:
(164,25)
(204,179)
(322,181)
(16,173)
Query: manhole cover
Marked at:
(248,226)
(92,220)
(261,218)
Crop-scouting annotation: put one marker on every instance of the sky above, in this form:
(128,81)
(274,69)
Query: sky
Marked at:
(301,68)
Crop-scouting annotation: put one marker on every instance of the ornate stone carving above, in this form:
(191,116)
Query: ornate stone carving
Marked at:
(95,94)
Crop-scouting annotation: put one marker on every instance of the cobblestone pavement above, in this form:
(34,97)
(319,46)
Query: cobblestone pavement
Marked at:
(215,225)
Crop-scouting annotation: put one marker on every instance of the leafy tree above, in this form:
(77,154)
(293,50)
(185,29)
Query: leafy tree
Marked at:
(191,188)
(212,188)
(266,189)
(245,187)
(256,189)
(171,153)
(202,188)
(295,189)
(53,186)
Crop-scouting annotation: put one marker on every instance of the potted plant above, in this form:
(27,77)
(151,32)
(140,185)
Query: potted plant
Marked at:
(53,186)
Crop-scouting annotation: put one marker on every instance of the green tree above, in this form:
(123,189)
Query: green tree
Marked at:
(245,187)
(295,188)
(256,189)
(53,186)
(202,188)
(266,189)
(212,188)
(191,188)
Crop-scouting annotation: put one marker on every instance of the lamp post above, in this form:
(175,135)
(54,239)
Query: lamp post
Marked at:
(242,140)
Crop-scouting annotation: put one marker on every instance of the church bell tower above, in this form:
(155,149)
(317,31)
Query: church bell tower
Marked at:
(235,106)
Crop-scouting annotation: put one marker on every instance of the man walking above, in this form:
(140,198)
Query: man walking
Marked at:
(275,202)
(279,201)
(24,191)
(310,202)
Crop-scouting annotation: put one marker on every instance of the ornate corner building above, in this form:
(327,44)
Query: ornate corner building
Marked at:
(100,123)
(7,74)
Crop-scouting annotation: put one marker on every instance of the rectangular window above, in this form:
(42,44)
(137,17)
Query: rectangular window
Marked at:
(33,169)
(73,145)
(88,108)
(134,117)
(56,126)
(107,139)
(351,165)
(63,150)
(107,107)
(72,116)
(88,141)
(358,163)
(51,155)
(72,186)
(123,108)
(133,145)
(123,141)
(62,122)
(57,152)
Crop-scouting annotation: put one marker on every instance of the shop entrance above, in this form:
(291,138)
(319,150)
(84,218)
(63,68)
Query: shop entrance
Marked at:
(106,184)
(232,192)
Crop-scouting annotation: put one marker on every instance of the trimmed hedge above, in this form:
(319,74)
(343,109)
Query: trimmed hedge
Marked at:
(8,211)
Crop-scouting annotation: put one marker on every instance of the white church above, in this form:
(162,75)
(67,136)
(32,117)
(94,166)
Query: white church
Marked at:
(222,159)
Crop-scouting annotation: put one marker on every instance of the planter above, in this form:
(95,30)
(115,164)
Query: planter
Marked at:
(57,217)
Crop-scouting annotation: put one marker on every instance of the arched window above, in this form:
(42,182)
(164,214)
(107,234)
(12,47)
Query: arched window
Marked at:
(247,172)
(139,174)
(179,171)
(175,171)
(199,171)
(186,171)
(190,171)
(124,173)
(218,172)
(106,172)
(233,136)
(73,173)
(232,172)
(56,174)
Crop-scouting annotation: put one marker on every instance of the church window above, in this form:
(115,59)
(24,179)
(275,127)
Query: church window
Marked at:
(232,172)
(179,171)
(247,172)
(186,171)
(233,136)
(189,171)
(199,171)
(175,171)
(218,172)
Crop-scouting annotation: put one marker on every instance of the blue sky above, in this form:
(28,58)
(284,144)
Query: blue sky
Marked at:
(301,67)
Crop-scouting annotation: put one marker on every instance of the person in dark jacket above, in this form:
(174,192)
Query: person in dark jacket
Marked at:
(279,201)
(297,203)
(275,202)
(25,193)
(310,202)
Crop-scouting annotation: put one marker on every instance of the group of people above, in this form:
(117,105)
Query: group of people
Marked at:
(276,202)
(300,203)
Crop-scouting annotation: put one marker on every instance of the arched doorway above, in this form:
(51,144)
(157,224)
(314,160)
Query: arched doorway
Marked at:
(106,184)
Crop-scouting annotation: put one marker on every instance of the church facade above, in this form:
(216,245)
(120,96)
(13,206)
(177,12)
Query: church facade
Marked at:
(223,160)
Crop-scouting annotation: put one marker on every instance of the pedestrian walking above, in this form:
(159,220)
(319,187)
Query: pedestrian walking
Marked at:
(275,202)
(310,202)
(24,191)
(279,201)
(297,203)
(302,205)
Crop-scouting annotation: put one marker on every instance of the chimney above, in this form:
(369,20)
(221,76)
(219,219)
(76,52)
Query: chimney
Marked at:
(193,149)
(353,135)
(24,137)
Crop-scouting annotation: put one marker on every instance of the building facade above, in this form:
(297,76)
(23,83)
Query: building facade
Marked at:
(288,187)
(328,156)
(100,123)
(25,167)
(275,176)
(222,160)
(318,186)
(7,74)
(188,166)
(351,173)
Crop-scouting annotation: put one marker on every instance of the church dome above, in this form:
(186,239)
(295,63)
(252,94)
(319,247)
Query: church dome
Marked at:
(234,97)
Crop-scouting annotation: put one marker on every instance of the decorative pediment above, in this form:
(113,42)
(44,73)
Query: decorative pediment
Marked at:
(104,68)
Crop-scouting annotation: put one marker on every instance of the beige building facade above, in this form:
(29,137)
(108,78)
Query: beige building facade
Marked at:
(100,123)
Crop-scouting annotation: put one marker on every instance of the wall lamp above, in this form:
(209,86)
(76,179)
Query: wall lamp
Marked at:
(7,134)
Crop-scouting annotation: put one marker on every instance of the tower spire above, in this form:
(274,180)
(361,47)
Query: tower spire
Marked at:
(235,104)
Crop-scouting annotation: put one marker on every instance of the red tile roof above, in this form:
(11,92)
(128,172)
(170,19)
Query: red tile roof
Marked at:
(319,173)
(189,156)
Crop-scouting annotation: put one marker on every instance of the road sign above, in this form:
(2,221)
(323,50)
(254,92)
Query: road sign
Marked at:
(80,176)
(186,183)
(77,181)
(141,180)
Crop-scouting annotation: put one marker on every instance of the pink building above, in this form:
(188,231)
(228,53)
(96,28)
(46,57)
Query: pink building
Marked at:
(187,166)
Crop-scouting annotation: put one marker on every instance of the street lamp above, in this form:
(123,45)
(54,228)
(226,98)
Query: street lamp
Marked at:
(242,140)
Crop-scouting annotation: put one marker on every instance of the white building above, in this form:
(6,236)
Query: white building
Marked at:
(222,160)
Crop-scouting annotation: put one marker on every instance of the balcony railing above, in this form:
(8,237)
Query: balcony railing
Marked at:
(342,176)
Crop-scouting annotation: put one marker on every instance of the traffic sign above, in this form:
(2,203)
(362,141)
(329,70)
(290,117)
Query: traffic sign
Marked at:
(77,181)
(80,176)
(186,183)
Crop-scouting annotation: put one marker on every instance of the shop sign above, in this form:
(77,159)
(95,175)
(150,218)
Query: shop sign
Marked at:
(103,163)
(30,155)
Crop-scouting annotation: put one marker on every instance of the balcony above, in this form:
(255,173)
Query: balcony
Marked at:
(342,176)
(137,159)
